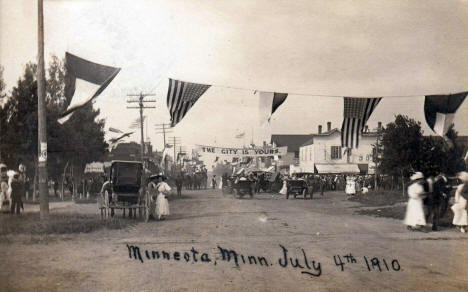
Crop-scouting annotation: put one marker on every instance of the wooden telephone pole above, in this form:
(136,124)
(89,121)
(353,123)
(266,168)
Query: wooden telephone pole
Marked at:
(174,142)
(42,119)
(141,106)
(164,129)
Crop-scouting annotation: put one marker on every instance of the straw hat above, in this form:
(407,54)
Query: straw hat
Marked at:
(463,176)
(417,175)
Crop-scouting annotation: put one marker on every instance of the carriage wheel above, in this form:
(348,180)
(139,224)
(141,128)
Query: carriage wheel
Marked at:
(100,204)
(106,198)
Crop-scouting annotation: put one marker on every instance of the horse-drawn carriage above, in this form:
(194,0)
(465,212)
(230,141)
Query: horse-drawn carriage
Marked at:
(124,190)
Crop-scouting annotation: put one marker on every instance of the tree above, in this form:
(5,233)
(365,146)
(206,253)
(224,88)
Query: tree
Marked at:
(405,150)
(2,111)
(2,85)
(439,155)
(401,143)
(80,140)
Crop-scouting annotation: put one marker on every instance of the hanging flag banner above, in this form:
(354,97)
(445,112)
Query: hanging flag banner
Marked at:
(240,135)
(114,130)
(356,113)
(242,152)
(264,106)
(117,139)
(439,110)
(181,96)
(269,103)
(83,69)
(278,99)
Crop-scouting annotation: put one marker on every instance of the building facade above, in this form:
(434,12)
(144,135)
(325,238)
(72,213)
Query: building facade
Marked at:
(293,142)
(323,153)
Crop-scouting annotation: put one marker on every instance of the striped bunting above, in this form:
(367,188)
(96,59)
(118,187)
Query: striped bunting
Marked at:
(181,96)
(356,113)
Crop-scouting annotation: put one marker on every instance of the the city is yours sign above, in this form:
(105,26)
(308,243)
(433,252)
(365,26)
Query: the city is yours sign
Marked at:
(242,152)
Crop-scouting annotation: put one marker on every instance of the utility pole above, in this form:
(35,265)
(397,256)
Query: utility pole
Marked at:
(181,152)
(164,129)
(175,141)
(42,119)
(141,106)
(1,106)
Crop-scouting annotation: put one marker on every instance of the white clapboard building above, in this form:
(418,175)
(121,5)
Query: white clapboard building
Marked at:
(323,153)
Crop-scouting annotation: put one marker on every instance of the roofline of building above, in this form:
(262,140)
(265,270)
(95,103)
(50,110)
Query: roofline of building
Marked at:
(333,131)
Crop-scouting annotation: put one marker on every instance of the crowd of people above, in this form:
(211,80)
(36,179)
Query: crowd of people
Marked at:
(158,189)
(429,198)
(13,187)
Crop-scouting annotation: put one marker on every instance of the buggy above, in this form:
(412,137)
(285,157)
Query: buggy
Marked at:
(123,189)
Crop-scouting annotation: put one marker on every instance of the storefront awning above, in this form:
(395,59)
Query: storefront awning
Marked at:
(337,168)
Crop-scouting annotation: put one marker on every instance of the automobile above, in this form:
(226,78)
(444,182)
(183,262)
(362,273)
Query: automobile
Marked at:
(298,187)
(243,186)
(123,187)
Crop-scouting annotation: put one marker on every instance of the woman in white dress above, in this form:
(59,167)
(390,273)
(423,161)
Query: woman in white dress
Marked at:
(415,218)
(460,216)
(284,189)
(162,205)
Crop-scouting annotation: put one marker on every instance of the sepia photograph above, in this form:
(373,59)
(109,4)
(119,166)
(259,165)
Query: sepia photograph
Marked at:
(233,145)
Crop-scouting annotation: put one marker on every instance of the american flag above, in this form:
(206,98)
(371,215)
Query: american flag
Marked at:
(356,113)
(240,135)
(181,96)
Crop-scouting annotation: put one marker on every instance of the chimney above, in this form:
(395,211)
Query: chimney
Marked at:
(328,126)
(379,126)
(320,129)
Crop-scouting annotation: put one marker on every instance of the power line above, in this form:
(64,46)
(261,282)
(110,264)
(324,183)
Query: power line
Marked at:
(174,142)
(141,106)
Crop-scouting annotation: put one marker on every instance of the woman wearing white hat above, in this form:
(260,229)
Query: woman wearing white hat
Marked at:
(162,205)
(415,218)
(460,217)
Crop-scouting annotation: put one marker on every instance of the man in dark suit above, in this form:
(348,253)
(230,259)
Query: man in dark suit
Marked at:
(438,192)
(179,181)
(17,190)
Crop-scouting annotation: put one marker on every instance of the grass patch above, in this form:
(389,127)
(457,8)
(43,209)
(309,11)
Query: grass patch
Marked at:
(398,212)
(58,223)
(91,200)
(51,200)
(379,198)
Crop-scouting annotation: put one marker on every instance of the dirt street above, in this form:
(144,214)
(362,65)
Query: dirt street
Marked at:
(278,244)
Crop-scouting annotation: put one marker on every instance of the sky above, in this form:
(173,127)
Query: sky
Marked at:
(317,51)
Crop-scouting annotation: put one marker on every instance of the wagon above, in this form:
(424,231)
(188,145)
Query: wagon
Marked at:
(124,190)
(298,188)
